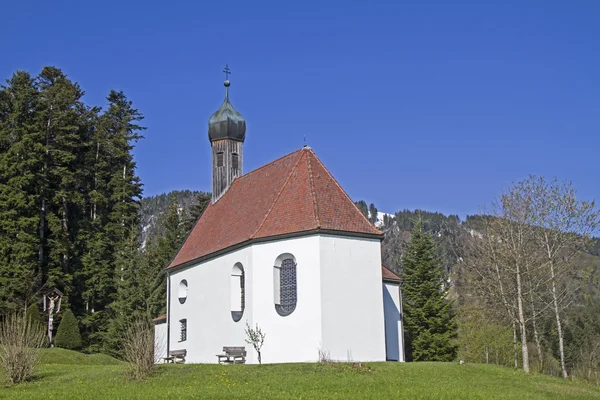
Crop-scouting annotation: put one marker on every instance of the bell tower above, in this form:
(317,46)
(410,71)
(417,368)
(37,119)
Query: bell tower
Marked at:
(226,132)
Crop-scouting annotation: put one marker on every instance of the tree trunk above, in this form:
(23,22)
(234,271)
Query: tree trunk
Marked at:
(561,346)
(522,322)
(65,226)
(515,344)
(536,336)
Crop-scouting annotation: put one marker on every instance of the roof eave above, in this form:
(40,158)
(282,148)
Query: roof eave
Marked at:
(215,254)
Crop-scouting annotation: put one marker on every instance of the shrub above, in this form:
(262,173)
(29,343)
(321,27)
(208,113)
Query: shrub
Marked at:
(33,313)
(256,338)
(68,335)
(20,342)
(138,349)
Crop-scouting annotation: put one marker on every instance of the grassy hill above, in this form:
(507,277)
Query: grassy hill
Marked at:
(56,356)
(70,375)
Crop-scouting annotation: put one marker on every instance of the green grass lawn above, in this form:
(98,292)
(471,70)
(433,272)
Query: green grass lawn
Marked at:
(70,375)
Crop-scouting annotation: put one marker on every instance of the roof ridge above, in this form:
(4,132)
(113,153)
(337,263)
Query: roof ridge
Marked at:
(268,164)
(344,192)
(287,180)
(313,193)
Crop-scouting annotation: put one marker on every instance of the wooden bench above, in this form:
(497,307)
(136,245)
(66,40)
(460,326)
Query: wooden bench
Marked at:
(176,357)
(233,355)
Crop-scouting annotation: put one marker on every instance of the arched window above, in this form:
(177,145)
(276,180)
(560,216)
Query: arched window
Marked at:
(284,284)
(235,161)
(183,291)
(237,285)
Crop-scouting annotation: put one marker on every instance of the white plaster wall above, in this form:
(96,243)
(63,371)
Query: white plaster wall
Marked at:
(296,337)
(207,308)
(339,308)
(394,337)
(160,341)
(351,292)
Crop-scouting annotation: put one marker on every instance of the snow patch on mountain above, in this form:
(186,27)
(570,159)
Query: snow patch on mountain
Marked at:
(380,215)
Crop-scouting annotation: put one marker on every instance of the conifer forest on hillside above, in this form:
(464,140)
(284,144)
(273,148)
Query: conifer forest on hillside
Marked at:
(72,217)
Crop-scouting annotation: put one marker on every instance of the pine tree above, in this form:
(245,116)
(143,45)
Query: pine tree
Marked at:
(113,212)
(162,252)
(141,281)
(69,195)
(428,318)
(133,284)
(20,166)
(64,120)
(196,210)
(373,213)
(124,185)
(362,206)
(68,335)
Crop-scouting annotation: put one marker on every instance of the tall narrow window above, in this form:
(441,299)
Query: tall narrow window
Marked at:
(235,161)
(237,287)
(183,330)
(220,159)
(284,282)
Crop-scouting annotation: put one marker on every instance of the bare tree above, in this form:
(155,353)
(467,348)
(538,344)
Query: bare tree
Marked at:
(256,338)
(507,261)
(487,277)
(525,258)
(138,349)
(21,340)
(589,364)
(566,226)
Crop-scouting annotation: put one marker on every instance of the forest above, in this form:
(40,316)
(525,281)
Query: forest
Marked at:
(70,208)
(72,217)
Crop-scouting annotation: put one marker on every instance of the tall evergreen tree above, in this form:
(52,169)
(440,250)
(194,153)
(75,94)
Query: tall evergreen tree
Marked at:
(362,206)
(161,252)
(64,120)
(141,282)
(428,318)
(196,210)
(20,166)
(69,195)
(131,299)
(112,209)
(373,213)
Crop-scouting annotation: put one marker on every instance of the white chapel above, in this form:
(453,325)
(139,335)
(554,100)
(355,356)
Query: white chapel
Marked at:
(283,247)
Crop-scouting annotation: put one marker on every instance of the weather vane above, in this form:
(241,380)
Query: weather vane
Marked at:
(227,72)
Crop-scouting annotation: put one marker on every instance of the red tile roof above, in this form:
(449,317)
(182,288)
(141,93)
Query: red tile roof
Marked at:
(388,275)
(290,195)
(160,319)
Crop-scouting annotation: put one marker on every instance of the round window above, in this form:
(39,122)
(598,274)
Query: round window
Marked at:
(183,291)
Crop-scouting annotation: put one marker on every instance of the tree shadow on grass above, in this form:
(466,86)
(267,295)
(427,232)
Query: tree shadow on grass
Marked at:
(6,383)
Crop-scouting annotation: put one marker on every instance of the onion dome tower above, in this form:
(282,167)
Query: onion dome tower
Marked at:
(226,132)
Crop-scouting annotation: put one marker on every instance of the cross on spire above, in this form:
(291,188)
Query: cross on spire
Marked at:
(227,72)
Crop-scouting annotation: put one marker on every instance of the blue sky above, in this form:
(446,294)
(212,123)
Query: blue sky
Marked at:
(423,104)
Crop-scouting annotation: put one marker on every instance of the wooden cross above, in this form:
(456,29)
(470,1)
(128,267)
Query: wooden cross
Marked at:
(227,72)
